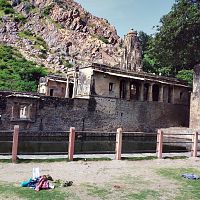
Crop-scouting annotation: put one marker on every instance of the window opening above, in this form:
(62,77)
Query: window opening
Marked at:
(111,87)
(25,111)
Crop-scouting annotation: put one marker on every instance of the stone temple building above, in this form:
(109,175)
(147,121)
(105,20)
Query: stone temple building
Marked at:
(132,53)
(100,97)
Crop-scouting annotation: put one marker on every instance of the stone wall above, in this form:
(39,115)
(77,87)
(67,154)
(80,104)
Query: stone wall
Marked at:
(195,100)
(58,114)
(141,116)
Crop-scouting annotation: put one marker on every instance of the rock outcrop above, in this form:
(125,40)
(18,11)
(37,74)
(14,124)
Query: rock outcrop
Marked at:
(58,33)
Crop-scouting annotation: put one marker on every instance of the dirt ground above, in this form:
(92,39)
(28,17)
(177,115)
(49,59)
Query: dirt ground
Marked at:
(93,171)
(112,175)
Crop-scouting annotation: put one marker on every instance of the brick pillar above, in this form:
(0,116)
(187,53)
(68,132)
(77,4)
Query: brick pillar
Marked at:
(141,92)
(71,144)
(118,148)
(15,143)
(159,147)
(161,93)
(150,92)
(195,144)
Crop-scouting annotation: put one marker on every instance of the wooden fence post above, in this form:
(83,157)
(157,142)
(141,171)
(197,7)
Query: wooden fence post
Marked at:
(159,147)
(71,144)
(15,143)
(118,147)
(195,144)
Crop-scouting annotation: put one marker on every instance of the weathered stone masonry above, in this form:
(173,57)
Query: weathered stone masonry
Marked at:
(195,100)
(97,113)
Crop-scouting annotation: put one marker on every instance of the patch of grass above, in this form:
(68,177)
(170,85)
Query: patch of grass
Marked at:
(48,9)
(1,13)
(103,39)
(93,159)
(139,158)
(53,160)
(98,191)
(189,188)
(39,42)
(42,160)
(6,9)
(10,191)
(35,160)
(5,160)
(144,194)
(57,25)
(175,157)
(19,18)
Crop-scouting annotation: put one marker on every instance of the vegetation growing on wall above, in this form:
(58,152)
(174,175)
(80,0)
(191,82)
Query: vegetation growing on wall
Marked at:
(16,73)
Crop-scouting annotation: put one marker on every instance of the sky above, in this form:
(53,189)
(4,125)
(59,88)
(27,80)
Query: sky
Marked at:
(141,15)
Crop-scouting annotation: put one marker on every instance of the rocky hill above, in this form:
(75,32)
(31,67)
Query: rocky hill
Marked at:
(58,33)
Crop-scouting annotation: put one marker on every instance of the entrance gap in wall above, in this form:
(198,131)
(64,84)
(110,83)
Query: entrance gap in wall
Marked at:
(170,92)
(71,87)
(155,92)
(146,88)
(122,89)
(134,90)
(51,92)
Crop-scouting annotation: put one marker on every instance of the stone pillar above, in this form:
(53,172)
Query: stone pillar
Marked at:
(150,92)
(141,92)
(67,88)
(161,90)
(194,144)
(159,147)
(75,86)
(15,143)
(71,143)
(118,147)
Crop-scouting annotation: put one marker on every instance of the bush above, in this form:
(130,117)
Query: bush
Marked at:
(103,39)
(19,18)
(47,10)
(28,33)
(186,75)
(4,4)
(8,11)
(16,73)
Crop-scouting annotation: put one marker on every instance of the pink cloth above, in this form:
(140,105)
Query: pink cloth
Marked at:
(42,184)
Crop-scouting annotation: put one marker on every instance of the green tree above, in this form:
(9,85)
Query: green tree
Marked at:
(177,43)
(175,48)
(144,40)
(16,73)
